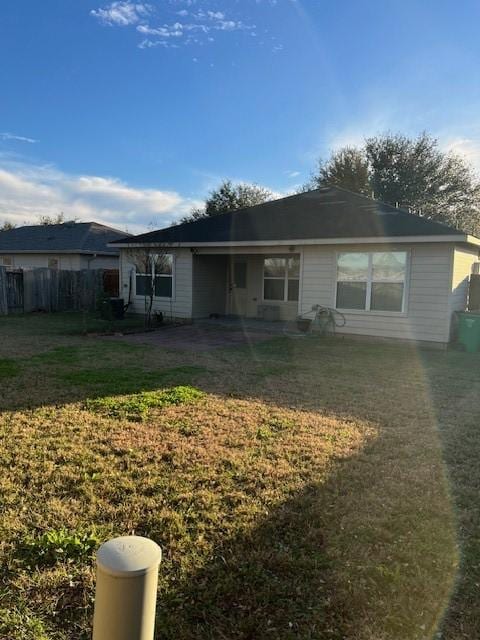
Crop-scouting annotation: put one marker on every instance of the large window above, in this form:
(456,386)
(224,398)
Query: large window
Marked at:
(281,278)
(159,277)
(371,281)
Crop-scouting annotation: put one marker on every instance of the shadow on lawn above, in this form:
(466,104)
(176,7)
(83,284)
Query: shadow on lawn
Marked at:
(299,575)
(77,373)
(459,434)
(271,582)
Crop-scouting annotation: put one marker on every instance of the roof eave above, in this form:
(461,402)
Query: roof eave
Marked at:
(472,240)
(457,238)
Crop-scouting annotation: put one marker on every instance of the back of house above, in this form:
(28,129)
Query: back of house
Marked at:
(390,273)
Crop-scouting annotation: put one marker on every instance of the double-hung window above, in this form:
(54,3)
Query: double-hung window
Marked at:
(281,278)
(156,276)
(163,273)
(371,281)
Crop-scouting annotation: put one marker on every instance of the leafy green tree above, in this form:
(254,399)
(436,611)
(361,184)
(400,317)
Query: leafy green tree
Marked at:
(347,168)
(57,219)
(7,226)
(417,175)
(413,173)
(229,197)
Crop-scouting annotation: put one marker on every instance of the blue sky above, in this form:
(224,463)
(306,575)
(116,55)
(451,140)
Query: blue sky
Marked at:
(129,112)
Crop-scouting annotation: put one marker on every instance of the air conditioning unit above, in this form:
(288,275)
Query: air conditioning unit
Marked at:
(476,268)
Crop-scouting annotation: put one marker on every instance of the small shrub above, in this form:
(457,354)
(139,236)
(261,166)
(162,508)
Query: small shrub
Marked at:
(58,544)
(137,406)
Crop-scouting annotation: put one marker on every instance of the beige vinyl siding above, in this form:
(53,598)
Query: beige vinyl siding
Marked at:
(463,260)
(209,285)
(426,316)
(180,305)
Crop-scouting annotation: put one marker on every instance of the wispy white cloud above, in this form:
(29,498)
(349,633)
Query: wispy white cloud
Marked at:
(175,30)
(29,191)
(12,136)
(188,25)
(196,30)
(151,44)
(122,13)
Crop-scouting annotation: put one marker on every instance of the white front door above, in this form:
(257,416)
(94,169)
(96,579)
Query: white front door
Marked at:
(237,287)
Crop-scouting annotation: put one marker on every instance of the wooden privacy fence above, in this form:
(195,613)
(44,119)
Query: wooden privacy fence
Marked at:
(53,290)
(11,291)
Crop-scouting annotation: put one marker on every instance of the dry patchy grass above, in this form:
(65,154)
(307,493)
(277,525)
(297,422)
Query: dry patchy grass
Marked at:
(301,494)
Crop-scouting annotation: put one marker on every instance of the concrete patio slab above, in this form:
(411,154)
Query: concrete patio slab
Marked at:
(197,337)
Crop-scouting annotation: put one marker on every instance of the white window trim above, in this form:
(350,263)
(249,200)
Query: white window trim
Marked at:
(406,284)
(285,279)
(159,275)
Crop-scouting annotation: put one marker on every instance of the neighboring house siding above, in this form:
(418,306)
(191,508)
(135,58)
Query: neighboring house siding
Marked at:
(67,262)
(209,285)
(427,310)
(180,305)
(40,260)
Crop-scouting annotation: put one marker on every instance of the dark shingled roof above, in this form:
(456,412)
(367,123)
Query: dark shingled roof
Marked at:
(71,237)
(328,212)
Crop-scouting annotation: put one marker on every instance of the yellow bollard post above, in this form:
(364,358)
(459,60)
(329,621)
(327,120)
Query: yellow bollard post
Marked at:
(126,590)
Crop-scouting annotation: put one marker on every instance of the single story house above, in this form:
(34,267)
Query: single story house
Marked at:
(68,246)
(391,273)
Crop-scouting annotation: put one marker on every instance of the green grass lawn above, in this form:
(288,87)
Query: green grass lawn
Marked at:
(299,488)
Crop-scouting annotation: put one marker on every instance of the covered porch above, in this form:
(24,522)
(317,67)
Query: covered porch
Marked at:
(247,285)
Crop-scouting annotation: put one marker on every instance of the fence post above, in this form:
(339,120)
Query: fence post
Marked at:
(3,292)
(126,591)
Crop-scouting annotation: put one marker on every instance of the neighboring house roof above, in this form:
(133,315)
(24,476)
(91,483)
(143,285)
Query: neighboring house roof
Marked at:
(324,214)
(68,237)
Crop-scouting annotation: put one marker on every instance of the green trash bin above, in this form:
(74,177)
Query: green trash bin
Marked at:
(469,331)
